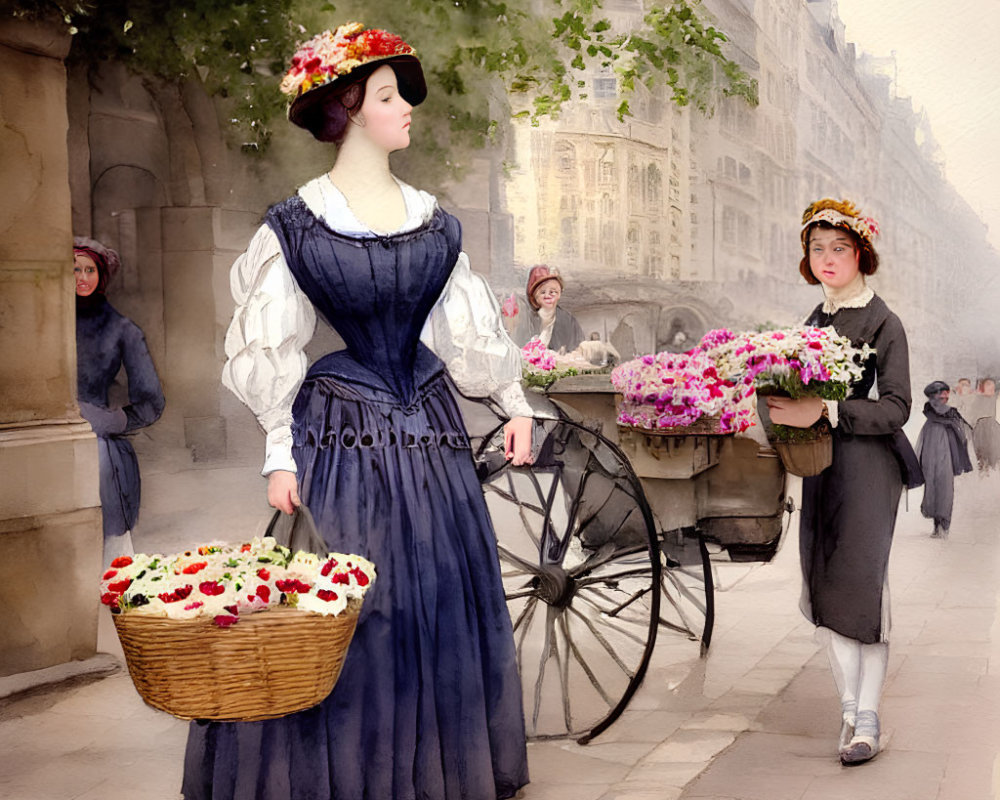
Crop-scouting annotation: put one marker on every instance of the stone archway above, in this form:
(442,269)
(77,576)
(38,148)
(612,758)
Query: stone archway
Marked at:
(680,327)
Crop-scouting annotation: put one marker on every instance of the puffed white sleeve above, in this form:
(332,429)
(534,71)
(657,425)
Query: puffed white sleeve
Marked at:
(465,330)
(265,363)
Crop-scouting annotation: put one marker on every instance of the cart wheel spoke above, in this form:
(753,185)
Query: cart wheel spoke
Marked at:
(576,538)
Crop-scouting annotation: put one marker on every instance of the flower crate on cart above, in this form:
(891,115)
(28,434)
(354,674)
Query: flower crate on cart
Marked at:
(236,633)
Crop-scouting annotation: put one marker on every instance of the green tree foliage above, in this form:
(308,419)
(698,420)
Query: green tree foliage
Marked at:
(487,60)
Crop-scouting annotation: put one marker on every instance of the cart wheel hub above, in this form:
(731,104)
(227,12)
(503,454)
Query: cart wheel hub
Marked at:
(555,586)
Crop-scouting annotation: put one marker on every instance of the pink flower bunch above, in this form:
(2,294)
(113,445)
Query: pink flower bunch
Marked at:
(715,338)
(796,361)
(670,390)
(538,356)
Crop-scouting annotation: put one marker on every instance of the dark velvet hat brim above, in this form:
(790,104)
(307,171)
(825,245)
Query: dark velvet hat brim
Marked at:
(409,75)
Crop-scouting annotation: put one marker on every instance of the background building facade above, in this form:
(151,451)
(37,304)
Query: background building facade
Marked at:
(691,222)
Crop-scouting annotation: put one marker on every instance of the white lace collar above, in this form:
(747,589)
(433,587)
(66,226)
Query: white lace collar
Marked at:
(327,202)
(857,294)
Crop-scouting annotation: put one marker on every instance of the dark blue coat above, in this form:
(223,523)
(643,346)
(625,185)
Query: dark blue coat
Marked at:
(105,342)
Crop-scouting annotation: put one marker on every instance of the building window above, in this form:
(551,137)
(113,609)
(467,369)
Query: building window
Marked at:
(729,225)
(565,156)
(568,230)
(607,169)
(605,87)
(633,243)
(654,186)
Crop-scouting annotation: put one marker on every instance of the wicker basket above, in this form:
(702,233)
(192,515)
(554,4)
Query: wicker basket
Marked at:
(270,664)
(806,458)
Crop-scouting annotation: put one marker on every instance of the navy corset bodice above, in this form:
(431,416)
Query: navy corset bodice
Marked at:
(375,292)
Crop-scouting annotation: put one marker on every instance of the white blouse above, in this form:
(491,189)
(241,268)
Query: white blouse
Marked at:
(274,321)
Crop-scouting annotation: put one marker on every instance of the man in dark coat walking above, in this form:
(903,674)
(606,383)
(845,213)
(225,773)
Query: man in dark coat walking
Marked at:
(944,453)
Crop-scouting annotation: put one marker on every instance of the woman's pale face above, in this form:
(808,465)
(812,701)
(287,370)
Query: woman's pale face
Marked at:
(547,294)
(832,257)
(384,114)
(86,274)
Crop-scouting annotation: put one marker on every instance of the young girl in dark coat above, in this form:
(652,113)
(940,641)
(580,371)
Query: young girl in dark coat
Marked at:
(849,510)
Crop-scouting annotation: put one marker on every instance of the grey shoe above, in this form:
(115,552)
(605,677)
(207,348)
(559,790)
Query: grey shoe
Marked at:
(848,712)
(864,744)
(937,531)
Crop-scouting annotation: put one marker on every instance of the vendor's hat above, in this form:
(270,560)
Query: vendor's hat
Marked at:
(538,275)
(935,388)
(839,214)
(333,58)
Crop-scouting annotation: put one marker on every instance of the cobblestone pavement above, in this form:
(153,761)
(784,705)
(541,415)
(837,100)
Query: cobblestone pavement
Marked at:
(755,720)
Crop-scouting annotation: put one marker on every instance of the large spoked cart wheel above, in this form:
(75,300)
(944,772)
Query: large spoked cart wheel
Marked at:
(588,581)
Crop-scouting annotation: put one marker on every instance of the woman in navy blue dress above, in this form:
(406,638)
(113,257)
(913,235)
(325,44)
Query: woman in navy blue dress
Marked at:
(105,342)
(429,701)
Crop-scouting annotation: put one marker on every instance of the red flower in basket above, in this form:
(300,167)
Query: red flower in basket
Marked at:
(178,594)
(290,585)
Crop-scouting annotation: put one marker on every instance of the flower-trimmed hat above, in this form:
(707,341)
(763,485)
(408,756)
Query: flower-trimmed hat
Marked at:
(328,60)
(540,273)
(840,214)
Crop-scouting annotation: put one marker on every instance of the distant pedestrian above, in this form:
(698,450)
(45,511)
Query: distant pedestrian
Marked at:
(985,428)
(962,399)
(944,453)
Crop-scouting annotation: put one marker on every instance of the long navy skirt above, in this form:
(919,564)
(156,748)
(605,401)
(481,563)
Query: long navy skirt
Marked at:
(428,704)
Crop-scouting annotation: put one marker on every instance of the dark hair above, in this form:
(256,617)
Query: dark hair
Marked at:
(867,263)
(327,120)
(326,110)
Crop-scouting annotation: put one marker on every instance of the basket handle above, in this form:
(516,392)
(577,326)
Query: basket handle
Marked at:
(297,531)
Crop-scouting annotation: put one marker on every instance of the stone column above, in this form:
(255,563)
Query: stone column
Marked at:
(50,516)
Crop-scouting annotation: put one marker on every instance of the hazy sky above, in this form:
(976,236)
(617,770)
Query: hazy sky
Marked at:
(948,57)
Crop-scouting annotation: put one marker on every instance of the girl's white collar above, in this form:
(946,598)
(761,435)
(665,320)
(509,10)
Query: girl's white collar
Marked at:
(856,294)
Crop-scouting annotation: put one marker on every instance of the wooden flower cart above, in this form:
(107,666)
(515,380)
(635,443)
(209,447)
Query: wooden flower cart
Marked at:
(606,540)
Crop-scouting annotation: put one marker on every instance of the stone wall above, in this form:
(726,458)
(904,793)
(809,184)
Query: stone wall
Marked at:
(50,520)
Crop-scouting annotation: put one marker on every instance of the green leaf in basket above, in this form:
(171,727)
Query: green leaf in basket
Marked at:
(233,562)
